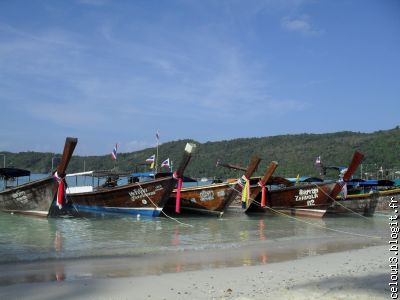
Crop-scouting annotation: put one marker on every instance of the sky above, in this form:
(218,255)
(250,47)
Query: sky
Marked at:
(111,72)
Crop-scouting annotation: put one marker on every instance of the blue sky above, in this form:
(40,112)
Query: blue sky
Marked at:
(116,71)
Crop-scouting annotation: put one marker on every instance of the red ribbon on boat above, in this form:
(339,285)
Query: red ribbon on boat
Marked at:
(178,193)
(60,190)
(263,193)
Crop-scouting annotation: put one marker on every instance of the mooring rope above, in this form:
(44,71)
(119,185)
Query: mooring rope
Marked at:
(313,224)
(73,205)
(164,213)
(338,202)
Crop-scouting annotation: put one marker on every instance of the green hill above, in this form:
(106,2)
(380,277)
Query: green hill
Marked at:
(295,154)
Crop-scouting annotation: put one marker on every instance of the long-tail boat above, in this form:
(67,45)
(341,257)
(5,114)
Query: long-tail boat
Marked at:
(138,198)
(309,199)
(36,197)
(212,198)
(366,197)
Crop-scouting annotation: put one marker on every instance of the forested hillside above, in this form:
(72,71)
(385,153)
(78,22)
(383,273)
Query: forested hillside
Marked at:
(295,154)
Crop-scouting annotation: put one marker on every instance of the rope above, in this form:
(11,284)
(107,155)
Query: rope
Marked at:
(73,205)
(337,202)
(313,224)
(169,217)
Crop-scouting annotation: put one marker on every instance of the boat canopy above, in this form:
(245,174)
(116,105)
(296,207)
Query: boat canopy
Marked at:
(7,173)
(306,179)
(361,182)
(104,173)
(160,175)
(143,174)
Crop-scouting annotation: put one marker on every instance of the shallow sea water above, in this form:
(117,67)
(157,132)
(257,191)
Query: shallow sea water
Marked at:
(34,249)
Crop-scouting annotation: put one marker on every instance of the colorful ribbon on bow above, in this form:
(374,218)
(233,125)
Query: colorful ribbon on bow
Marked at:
(60,190)
(263,193)
(245,191)
(178,193)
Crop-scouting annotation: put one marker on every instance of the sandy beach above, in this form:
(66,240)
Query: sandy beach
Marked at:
(352,274)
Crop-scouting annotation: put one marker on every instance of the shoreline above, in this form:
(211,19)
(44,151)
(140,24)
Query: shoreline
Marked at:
(351,274)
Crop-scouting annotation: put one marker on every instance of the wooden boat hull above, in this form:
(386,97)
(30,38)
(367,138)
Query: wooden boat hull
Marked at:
(37,197)
(309,200)
(365,204)
(385,198)
(33,198)
(207,199)
(213,198)
(304,200)
(140,199)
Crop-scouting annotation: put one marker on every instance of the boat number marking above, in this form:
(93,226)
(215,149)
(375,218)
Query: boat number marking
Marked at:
(206,195)
(308,194)
(310,203)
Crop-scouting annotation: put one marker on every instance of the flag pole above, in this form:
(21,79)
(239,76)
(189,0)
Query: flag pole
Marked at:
(158,140)
(156,160)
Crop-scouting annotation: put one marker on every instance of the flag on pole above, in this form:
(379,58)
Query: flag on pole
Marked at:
(165,163)
(158,135)
(114,152)
(318,160)
(151,158)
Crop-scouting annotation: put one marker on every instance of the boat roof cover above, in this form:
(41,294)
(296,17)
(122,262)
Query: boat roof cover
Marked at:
(371,182)
(13,172)
(305,179)
(101,173)
(162,174)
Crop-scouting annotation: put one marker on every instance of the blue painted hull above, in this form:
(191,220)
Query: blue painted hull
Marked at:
(135,199)
(100,210)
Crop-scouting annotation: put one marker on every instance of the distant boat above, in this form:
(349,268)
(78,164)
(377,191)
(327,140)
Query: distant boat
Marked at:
(213,198)
(36,197)
(135,198)
(303,199)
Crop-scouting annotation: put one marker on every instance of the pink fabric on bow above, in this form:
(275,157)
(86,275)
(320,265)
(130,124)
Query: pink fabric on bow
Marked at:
(178,193)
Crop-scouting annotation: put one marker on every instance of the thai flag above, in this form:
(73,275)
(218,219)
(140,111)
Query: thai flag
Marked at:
(151,158)
(165,163)
(114,152)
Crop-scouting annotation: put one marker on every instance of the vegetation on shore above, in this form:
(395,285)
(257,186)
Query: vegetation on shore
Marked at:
(295,154)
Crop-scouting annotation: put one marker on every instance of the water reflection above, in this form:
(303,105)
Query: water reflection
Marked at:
(72,248)
(59,266)
(261,228)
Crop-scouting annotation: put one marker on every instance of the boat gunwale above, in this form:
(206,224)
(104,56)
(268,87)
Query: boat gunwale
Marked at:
(119,188)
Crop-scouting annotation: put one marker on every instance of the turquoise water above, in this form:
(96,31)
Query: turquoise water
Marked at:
(153,246)
(35,249)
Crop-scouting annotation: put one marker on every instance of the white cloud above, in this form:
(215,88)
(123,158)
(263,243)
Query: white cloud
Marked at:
(300,24)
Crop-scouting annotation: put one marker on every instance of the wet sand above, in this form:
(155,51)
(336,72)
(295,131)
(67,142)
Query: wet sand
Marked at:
(350,274)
